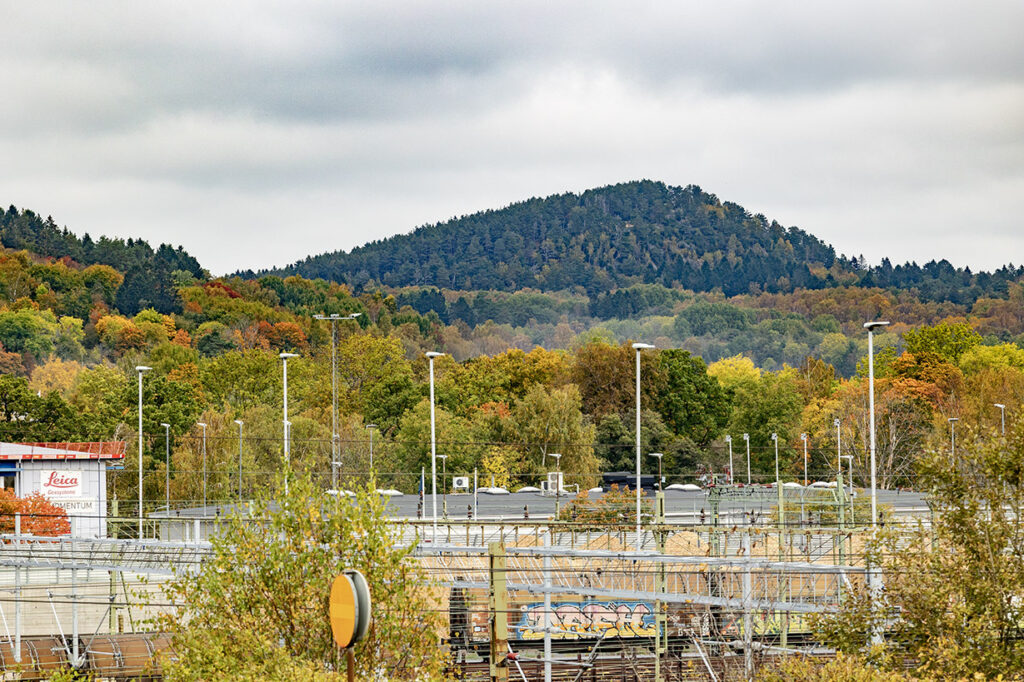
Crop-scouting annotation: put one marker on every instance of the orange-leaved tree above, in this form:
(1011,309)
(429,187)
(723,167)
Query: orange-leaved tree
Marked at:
(39,516)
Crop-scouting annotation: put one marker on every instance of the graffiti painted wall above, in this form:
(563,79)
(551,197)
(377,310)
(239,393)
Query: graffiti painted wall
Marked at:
(588,619)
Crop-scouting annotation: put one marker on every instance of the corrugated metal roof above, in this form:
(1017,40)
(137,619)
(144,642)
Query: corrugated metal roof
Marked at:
(109,449)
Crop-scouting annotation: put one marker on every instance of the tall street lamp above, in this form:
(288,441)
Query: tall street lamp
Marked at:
(871,327)
(167,465)
(203,425)
(874,577)
(371,428)
(334,318)
(803,437)
(287,424)
(558,482)
(141,369)
(732,473)
(775,440)
(444,488)
(1002,418)
(433,440)
(952,435)
(746,439)
(839,445)
(240,424)
(638,347)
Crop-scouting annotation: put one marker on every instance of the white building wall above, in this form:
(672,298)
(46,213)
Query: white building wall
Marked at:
(87,505)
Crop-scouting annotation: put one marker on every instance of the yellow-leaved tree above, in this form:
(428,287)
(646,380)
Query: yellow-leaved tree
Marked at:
(258,606)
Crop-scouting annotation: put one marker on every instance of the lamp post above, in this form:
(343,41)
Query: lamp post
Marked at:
(444,488)
(433,441)
(558,482)
(240,424)
(167,465)
(287,430)
(659,456)
(728,439)
(849,472)
(874,577)
(952,435)
(1002,418)
(839,445)
(335,438)
(141,369)
(775,440)
(638,347)
(203,425)
(371,428)
(871,327)
(746,438)
(803,437)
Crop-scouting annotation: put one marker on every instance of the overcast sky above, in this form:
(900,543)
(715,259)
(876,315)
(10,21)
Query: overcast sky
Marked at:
(257,133)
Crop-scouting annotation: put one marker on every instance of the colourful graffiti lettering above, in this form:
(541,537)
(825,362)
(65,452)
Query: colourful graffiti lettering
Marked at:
(588,619)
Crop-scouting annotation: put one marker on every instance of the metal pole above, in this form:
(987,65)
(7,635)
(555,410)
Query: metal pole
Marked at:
(167,466)
(1002,418)
(803,436)
(547,608)
(140,369)
(204,467)
(335,438)
(874,578)
(239,422)
(433,445)
(732,472)
(952,435)
(17,593)
(287,425)
(746,437)
(371,448)
(839,447)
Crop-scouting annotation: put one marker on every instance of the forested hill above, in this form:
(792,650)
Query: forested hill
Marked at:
(151,276)
(615,236)
(626,234)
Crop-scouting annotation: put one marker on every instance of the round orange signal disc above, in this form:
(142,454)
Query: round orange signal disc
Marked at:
(342,610)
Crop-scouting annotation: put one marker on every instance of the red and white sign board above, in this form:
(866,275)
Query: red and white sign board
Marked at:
(60,484)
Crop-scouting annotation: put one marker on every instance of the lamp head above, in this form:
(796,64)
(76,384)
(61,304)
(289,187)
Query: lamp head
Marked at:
(142,368)
(746,436)
(657,454)
(872,326)
(166,426)
(370,426)
(556,455)
(202,424)
(835,422)
(728,439)
(954,419)
(442,457)
(431,354)
(1000,405)
(239,422)
(642,346)
(352,316)
(775,436)
(285,356)
(803,436)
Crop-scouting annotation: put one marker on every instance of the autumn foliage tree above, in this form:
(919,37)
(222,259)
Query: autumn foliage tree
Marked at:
(39,516)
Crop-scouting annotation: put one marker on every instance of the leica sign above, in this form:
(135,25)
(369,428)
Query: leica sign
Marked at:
(60,484)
